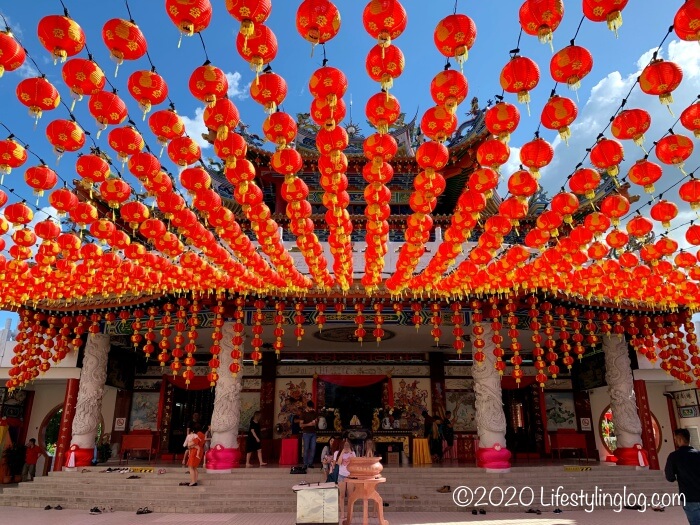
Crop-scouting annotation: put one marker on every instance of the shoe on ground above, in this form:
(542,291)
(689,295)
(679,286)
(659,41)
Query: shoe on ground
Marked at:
(475,512)
(482,511)
(557,511)
(48,507)
(58,507)
(95,510)
(444,489)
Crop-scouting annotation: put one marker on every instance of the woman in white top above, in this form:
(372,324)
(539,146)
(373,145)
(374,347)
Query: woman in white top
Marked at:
(343,457)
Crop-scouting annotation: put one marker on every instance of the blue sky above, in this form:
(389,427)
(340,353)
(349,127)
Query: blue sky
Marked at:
(617,62)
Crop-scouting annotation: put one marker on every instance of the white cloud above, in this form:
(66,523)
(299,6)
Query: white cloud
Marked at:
(195,128)
(26,70)
(234,86)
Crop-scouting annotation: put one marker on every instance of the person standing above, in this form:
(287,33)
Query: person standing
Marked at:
(448,432)
(31,457)
(253,441)
(342,459)
(309,418)
(683,466)
(194,443)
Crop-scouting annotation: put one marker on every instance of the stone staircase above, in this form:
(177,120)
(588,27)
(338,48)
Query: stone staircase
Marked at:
(408,489)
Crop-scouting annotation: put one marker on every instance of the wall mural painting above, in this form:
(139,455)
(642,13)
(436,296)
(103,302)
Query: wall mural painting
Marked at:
(144,411)
(561,412)
(411,400)
(463,408)
(292,399)
(250,402)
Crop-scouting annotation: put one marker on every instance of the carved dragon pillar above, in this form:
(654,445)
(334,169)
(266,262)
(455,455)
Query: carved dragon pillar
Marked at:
(623,402)
(490,418)
(89,404)
(224,453)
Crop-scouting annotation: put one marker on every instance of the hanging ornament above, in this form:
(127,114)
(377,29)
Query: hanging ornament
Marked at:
(61,36)
(558,114)
(166,125)
(384,20)
(38,94)
(124,41)
(631,124)
(449,88)
(520,75)
(454,36)
(257,330)
(360,332)
(65,135)
(502,120)
(541,18)
(270,90)
(317,21)
(189,16)
(436,321)
(221,118)
(12,155)
(674,150)
(570,65)
(609,11)
(259,48)
(107,109)
(83,78)
(661,78)
(249,13)
(645,173)
(208,83)
(12,54)
(383,65)
(148,89)
(536,154)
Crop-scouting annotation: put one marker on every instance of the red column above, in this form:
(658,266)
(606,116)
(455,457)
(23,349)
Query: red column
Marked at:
(65,433)
(640,389)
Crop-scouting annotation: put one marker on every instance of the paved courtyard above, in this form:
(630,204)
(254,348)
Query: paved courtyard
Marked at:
(75,517)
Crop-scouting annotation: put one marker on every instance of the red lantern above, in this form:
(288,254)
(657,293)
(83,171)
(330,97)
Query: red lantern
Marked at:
(38,94)
(166,125)
(148,89)
(449,88)
(631,124)
(18,214)
(124,40)
(661,78)
(47,229)
(190,16)
(384,147)
(690,193)
(384,20)
(522,184)
(382,111)
(221,118)
(483,180)
(184,151)
(63,200)
(208,83)
(40,178)
(570,65)
(134,213)
(287,162)
(615,206)
(645,173)
(144,165)
(639,226)
(690,119)
(384,64)
(270,90)
(280,128)
(61,36)
(249,13)
(520,75)
(492,153)
(536,154)
(12,54)
(83,214)
(195,179)
(438,124)
(325,115)
(617,239)
(115,192)
(609,11)
(231,149)
(65,135)
(607,154)
(454,36)
(107,109)
(12,155)
(558,114)
(584,182)
(541,18)
(674,149)
(259,48)
(664,212)
(83,77)
(125,141)
(685,22)
(318,21)
(502,120)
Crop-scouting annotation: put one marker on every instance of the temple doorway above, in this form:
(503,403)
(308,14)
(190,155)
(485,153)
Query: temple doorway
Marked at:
(188,402)
(521,408)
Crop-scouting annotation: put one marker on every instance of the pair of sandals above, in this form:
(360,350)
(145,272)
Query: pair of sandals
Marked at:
(49,507)
(480,511)
(144,510)
(186,484)
(533,511)
(445,489)
(100,510)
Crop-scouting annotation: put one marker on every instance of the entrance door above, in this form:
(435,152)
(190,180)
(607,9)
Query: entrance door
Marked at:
(519,407)
(188,402)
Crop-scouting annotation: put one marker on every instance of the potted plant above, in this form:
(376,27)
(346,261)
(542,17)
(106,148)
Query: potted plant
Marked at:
(14,459)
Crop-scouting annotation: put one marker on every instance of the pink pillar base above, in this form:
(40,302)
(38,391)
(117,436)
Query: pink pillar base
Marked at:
(82,457)
(495,458)
(220,458)
(634,456)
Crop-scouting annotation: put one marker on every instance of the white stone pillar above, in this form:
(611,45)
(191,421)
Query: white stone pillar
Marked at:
(89,404)
(224,454)
(490,418)
(623,402)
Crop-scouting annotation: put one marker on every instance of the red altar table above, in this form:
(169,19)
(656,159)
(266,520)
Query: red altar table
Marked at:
(289,454)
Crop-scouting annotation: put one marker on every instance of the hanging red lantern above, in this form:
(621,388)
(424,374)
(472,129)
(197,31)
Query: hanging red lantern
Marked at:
(259,48)
(12,54)
(328,83)
(609,11)
(65,135)
(454,36)
(585,182)
(208,83)
(12,155)
(148,89)
(690,193)
(449,88)
(664,212)
(492,153)
(382,111)
(184,151)
(522,184)
(325,115)
(231,149)
(83,214)
(287,162)
(536,154)
(166,125)
(570,65)
(384,64)
(107,109)
(63,200)
(520,75)
(541,18)
(195,179)
(190,16)
(631,124)
(124,40)
(270,90)
(125,141)
(382,148)
(483,180)
(661,78)
(674,150)
(607,154)
(685,22)
(615,206)
(115,192)
(438,124)
(617,239)
(38,94)
(221,117)
(134,213)
(690,119)
(249,13)
(639,226)
(280,129)
(83,78)
(18,214)
(61,36)
(332,142)
(47,229)
(317,21)
(502,120)
(40,179)
(384,20)
(645,173)
(558,114)
(144,165)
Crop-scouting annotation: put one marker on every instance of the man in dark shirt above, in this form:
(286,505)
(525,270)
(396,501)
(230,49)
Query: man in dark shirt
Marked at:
(308,433)
(683,465)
